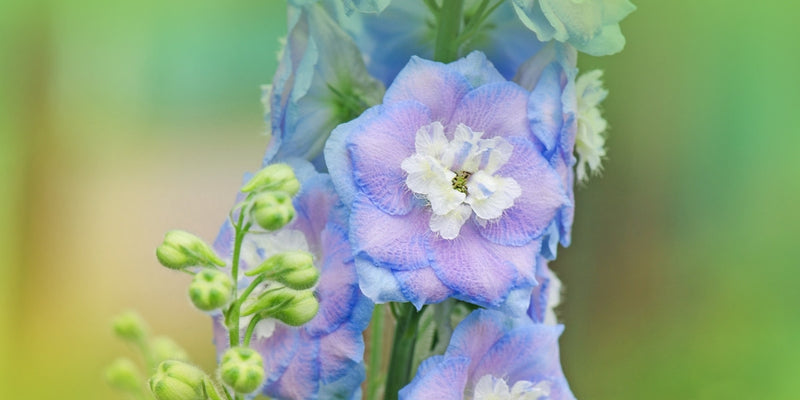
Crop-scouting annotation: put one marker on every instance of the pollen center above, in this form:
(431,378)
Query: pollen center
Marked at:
(459,181)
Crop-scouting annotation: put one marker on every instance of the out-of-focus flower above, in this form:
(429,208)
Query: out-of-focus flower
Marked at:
(408,28)
(591,26)
(322,358)
(321,82)
(590,140)
(493,356)
(448,193)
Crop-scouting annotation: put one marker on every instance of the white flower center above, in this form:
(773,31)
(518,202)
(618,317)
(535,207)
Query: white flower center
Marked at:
(491,388)
(457,176)
(589,138)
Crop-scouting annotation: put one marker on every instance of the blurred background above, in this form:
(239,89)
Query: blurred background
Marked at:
(121,120)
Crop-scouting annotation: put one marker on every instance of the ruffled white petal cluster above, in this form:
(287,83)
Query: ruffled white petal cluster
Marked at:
(590,140)
(491,388)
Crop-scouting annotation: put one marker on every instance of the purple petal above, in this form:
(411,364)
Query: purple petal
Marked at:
(377,283)
(528,352)
(477,69)
(480,271)
(277,350)
(378,148)
(544,108)
(300,380)
(396,242)
(337,290)
(340,351)
(476,334)
(422,286)
(313,205)
(438,378)
(498,109)
(542,196)
(431,83)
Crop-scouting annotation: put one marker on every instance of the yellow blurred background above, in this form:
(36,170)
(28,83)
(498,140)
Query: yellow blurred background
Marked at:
(122,120)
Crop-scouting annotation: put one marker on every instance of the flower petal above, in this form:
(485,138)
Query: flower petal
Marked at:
(542,196)
(438,378)
(422,286)
(377,150)
(497,109)
(390,241)
(301,379)
(479,271)
(431,83)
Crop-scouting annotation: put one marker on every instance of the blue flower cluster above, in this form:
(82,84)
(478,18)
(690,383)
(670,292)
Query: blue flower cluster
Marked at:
(436,143)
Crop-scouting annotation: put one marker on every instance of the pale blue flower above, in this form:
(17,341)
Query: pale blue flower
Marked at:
(407,28)
(494,356)
(321,82)
(546,295)
(322,359)
(551,110)
(449,193)
(591,26)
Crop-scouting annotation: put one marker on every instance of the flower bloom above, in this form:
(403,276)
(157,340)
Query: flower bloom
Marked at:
(448,193)
(405,28)
(323,358)
(321,81)
(589,141)
(493,356)
(590,26)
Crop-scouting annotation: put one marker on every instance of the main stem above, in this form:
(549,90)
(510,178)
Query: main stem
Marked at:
(405,337)
(232,319)
(449,27)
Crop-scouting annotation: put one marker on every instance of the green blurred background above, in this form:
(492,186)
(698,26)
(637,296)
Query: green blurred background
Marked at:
(121,120)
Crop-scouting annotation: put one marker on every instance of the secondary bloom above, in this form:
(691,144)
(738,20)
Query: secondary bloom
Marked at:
(448,193)
(590,140)
(546,295)
(321,82)
(493,356)
(407,28)
(590,26)
(323,358)
(550,76)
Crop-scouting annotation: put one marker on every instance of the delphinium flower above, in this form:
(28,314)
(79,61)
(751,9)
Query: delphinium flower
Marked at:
(324,357)
(321,82)
(494,356)
(590,140)
(550,76)
(591,27)
(407,28)
(546,295)
(448,193)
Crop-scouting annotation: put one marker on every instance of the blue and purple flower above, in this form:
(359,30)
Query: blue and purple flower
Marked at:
(322,359)
(494,356)
(449,194)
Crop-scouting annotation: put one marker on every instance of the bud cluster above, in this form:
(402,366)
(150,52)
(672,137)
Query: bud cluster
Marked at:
(270,193)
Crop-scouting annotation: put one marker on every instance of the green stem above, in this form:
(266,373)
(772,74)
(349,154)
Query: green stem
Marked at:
(405,337)
(376,352)
(232,318)
(449,25)
(250,327)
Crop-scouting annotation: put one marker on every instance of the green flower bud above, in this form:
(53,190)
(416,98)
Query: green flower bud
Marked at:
(163,348)
(129,326)
(275,177)
(210,289)
(242,368)
(294,269)
(269,301)
(182,249)
(123,375)
(176,380)
(300,311)
(272,210)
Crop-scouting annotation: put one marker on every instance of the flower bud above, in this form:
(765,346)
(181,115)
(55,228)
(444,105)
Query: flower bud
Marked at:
(210,289)
(129,326)
(123,375)
(269,301)
(176,380)
(294,269)
(272,210)
(302,309)
(163,348)
(275,177)
(242,368)
(182,249)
